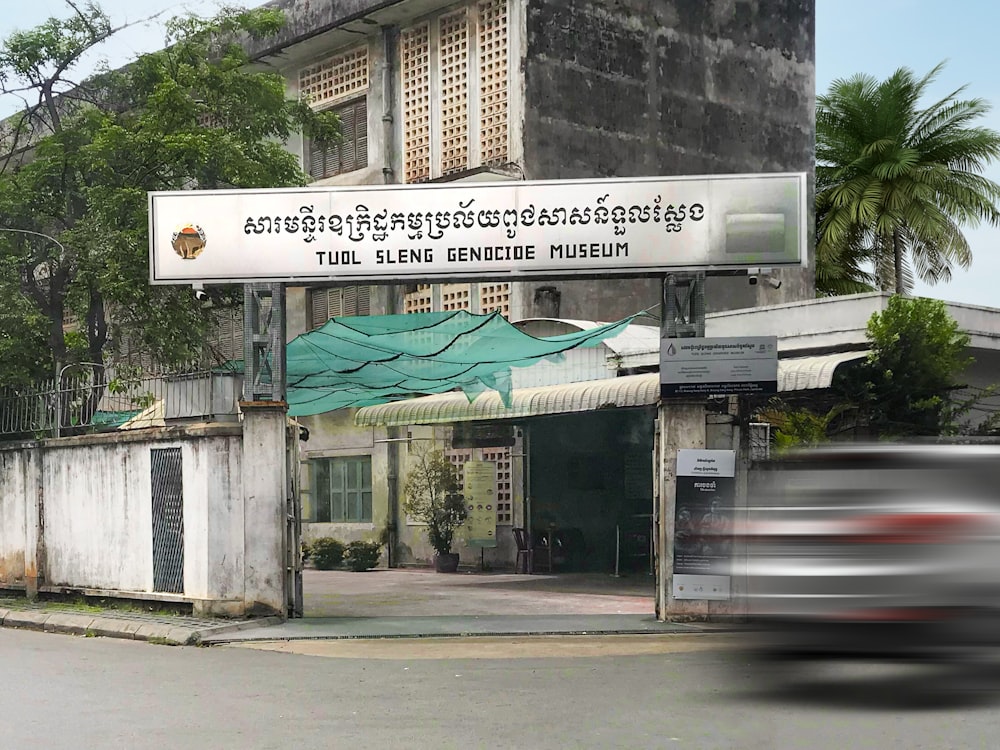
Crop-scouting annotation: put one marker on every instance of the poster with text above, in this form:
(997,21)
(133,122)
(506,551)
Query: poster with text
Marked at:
(703,523)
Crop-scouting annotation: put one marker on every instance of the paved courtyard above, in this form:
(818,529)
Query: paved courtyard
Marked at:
(406,592)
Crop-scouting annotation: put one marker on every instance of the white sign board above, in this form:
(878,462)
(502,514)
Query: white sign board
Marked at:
(703,524)
(718,366)
(486,230)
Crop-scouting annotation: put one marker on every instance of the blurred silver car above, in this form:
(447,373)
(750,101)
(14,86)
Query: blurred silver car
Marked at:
(876,550)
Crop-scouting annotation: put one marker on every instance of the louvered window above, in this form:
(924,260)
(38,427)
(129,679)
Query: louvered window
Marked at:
(336,302)
(351,152)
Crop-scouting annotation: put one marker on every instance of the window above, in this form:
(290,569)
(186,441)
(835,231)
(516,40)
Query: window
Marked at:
(341,83)
(342,489)
(349,154)
(463,57)
(337,302)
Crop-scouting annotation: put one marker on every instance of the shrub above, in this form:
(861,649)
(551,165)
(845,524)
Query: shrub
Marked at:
(326,553)
(306,550)
(363,555)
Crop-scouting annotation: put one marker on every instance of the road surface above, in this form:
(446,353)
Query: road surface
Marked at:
(675,691)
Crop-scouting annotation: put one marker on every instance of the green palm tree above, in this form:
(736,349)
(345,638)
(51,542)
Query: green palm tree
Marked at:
(896,183)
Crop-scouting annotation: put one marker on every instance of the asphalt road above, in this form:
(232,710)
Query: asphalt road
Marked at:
(639,692)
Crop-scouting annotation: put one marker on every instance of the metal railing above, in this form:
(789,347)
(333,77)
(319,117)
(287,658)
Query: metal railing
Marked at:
(84,402)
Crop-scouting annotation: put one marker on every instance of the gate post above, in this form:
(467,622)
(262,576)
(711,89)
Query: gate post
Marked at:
(265,485)
(679,423)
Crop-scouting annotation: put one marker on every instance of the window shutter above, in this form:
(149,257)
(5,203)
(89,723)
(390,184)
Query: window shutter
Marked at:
(350,303)
(319,307)
(352,151)
(361,139)
(349,133)
(364,300)
(336,307)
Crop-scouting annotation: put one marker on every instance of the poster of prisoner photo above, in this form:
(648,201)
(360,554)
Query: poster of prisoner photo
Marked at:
(703,523)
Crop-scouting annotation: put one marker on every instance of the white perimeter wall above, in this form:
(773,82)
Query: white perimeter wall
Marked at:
(89,500)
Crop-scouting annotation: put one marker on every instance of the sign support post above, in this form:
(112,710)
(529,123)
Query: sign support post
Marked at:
(680,425)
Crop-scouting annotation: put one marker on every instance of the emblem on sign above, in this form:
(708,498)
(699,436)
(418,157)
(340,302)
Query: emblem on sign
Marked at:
(188,241)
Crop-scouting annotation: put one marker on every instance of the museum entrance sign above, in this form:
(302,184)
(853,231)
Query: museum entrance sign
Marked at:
(501,230)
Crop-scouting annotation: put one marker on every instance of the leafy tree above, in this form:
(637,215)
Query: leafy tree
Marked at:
(896,182)
(80,157)
(907,386)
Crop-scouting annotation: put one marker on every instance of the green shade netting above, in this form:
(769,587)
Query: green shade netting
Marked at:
(367,360)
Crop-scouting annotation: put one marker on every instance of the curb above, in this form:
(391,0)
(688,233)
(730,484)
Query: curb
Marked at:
(212,640)
(71,623)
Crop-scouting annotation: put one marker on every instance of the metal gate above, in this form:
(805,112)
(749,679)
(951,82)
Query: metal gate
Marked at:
(293,525)
(168,519)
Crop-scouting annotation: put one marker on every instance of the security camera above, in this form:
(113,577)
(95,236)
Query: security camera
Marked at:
(773,282)
(199,292)
(752,279)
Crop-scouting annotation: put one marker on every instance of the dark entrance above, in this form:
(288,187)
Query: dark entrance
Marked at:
(591,490)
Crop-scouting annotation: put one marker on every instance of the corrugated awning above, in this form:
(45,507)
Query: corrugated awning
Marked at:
(798,374)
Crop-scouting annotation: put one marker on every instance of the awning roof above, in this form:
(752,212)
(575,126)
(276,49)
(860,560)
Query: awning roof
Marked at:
(796,374)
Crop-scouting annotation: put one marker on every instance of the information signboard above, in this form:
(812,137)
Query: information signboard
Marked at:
(481,502)
(718,366)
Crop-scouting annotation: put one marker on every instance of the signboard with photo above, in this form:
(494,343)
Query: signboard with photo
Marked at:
(703,523)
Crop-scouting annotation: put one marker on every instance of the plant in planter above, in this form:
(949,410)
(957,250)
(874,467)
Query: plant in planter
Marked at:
(431,497)
(326,553)
(361,556)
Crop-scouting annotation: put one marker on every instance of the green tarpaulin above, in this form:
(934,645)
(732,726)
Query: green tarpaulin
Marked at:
(367,360)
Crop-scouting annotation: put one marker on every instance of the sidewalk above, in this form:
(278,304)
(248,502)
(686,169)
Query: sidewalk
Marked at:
(133,624)
(398,603)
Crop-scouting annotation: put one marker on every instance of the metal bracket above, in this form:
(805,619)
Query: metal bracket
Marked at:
(264,342)
(683,305)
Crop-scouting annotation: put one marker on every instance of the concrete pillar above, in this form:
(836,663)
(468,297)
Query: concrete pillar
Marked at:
(264,490)
(680,424)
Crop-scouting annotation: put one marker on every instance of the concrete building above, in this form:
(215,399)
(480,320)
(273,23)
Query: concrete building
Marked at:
(524,89)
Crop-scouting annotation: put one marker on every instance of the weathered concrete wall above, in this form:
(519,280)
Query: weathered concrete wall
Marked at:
(669,87)
(14,508)
(76,513)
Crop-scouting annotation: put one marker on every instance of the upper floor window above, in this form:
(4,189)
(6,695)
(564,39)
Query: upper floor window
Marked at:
(339,83)
(462,56)
(351,152)
(337,301)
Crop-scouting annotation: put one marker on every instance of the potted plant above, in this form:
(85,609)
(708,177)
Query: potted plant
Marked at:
(431,497)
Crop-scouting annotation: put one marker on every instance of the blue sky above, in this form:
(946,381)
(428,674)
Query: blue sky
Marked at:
(852,36)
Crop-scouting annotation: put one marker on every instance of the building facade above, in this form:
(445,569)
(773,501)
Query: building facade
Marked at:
(431,91)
